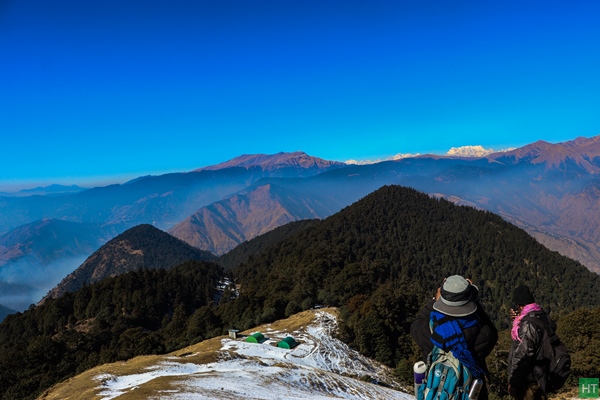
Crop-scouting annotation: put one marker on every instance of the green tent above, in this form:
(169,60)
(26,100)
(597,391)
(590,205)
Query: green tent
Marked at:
(287,343)
(256,337)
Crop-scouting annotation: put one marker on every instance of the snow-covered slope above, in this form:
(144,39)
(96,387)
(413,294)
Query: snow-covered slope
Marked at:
(320,367)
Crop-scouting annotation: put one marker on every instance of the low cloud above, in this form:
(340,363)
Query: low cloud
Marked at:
(32,281)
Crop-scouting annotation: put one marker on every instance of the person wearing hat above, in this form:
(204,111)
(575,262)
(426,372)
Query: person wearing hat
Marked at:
(526,372)
(459,324)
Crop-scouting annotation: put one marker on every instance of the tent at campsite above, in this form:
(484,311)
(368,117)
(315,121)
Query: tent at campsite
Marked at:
(287,343)
(256,337)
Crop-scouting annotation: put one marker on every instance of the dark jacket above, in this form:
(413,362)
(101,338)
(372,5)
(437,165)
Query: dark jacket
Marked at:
(526,364)
(480,339)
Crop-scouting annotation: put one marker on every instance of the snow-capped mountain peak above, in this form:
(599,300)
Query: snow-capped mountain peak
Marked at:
(469,151)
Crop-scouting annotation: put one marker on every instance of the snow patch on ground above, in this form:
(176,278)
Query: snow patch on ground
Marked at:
(320,367)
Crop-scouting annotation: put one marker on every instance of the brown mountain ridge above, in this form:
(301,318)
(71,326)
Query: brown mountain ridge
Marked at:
(223,225)
(281,164)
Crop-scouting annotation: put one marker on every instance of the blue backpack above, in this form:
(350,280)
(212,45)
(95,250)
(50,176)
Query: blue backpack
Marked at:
(446,378)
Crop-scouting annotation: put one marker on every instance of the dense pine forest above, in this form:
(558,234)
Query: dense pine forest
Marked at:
(378,260)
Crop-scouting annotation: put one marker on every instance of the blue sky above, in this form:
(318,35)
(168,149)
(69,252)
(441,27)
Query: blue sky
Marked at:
(94,92)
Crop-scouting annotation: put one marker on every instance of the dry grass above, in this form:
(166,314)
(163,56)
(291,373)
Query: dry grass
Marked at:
(85,387)
(567,395)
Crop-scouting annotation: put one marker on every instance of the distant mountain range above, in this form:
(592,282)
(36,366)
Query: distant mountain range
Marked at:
(550,190)
(51,190)
(163,200)
(470,151)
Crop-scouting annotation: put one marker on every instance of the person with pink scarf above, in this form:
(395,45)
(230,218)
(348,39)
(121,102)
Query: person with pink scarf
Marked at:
(527,378)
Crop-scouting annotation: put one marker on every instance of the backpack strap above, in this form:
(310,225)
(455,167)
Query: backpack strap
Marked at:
(542,327)
(442,382)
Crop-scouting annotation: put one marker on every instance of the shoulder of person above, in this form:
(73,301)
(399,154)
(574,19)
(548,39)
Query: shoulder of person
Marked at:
(483,317)
(539,320)
(429,305)
(539,316)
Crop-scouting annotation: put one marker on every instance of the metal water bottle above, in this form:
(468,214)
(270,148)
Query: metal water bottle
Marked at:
(475,389)
(419,369)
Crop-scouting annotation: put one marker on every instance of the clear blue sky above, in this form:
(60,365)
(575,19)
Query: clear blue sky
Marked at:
(100,91)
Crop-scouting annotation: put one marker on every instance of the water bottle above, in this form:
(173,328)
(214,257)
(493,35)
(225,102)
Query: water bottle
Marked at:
(475,389)
(419,369)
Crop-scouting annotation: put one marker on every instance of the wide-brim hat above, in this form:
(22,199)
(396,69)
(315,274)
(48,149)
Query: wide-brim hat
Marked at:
(458,297)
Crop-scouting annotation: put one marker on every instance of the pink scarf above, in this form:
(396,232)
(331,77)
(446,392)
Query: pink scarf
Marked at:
(515,327)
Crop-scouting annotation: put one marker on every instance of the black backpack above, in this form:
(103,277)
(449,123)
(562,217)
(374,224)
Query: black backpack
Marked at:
(558,367)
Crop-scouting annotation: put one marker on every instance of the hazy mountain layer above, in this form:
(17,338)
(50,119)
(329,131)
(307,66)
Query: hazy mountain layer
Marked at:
(52,190)
(161,200)
(49,240)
